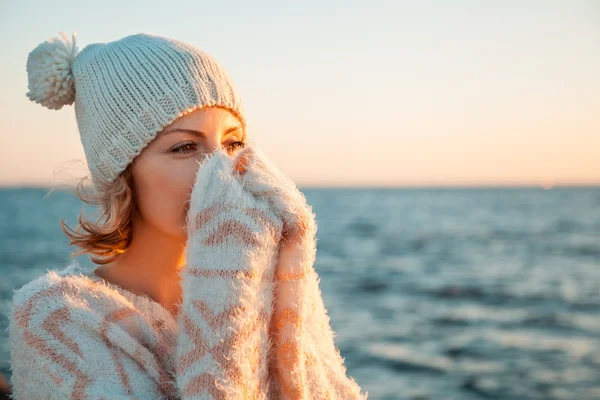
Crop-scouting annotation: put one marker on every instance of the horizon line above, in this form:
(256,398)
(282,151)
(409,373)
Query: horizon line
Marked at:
(68,188)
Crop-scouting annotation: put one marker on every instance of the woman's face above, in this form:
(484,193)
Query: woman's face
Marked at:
(164,173)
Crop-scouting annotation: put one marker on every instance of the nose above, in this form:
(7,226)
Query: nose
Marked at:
(213,144)
(241,157)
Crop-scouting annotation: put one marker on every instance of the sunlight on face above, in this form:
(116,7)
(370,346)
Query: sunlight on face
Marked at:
(164,173)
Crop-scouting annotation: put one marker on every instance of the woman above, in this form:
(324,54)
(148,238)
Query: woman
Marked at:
(205,286)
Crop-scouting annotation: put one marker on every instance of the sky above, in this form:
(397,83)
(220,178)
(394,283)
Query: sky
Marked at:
(348,93)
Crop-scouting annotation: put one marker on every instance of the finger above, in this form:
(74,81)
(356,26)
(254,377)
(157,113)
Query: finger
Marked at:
(259,175)
(243,159)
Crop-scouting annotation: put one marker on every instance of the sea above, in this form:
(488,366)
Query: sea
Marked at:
(433,293)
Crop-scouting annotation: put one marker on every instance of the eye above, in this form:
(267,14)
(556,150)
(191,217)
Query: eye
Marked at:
(185,148)
(192,147)
(237,145)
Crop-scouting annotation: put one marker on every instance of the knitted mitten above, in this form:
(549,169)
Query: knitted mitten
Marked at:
(305,362)
(227,286)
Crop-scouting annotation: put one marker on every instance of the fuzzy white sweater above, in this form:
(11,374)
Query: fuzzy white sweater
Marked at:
(251,324)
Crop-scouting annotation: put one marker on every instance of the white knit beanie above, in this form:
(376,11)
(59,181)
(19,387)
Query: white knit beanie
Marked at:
(126,91)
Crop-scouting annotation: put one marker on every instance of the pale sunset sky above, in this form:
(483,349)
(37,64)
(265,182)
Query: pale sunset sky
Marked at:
(348,93)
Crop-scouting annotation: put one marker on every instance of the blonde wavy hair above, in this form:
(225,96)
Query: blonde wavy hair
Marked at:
(110,235)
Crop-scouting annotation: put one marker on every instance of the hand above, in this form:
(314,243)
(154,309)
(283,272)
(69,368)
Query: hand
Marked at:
(294,271)
(218,196)
(261,177)
(233,238)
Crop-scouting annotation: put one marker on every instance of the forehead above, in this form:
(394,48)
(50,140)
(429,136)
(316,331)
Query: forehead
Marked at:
(208,115)
(206,119)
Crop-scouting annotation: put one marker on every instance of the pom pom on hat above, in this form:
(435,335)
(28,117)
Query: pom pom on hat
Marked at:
(49,73)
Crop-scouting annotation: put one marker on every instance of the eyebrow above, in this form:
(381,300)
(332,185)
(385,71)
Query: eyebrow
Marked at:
(198,133)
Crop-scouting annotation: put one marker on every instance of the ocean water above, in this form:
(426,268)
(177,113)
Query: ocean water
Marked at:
(432,293)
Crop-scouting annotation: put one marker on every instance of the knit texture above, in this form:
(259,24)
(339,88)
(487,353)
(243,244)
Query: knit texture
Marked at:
(251,325)
(126,91)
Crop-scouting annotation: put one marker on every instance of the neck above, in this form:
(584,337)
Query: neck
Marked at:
(150,266)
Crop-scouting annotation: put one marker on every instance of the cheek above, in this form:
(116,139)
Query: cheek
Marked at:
(163,191)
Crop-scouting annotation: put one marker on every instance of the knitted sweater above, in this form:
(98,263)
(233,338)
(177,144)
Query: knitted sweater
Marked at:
(251,323)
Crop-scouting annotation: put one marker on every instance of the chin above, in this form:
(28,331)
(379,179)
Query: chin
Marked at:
(178,236)
(171,231)
(180,233)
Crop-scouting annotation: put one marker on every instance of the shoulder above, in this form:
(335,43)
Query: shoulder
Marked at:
(52,285)
(63,341)
(42,338)
(58,297)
